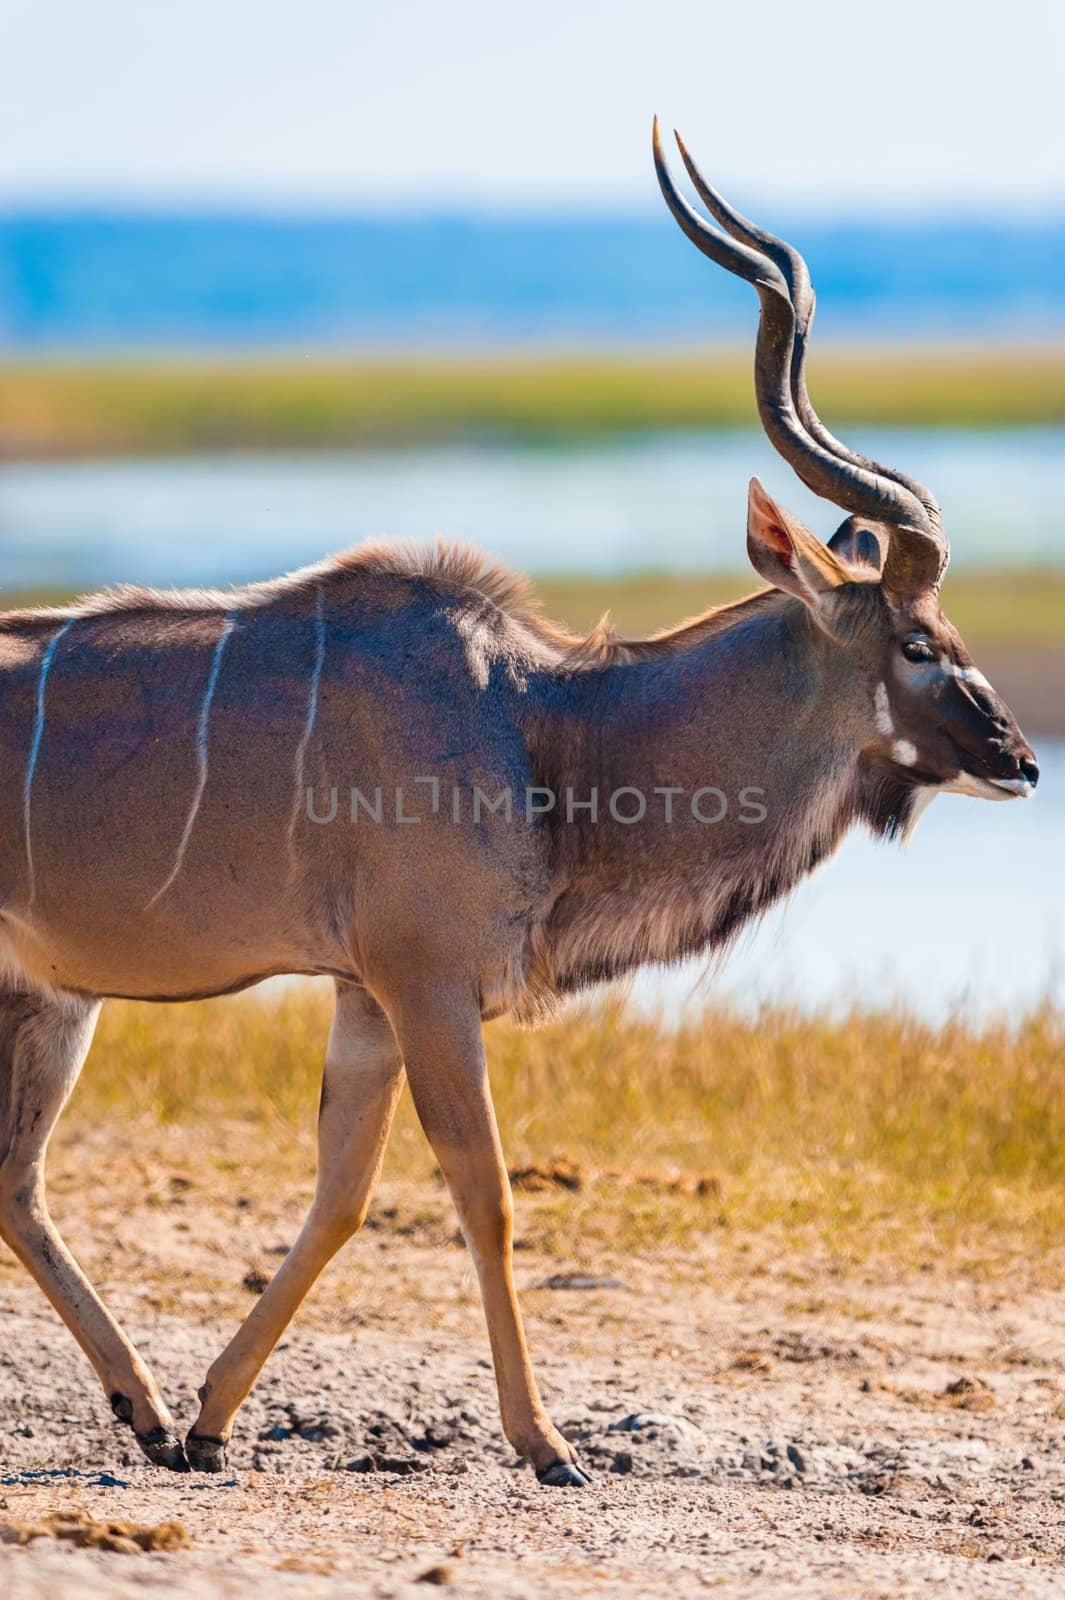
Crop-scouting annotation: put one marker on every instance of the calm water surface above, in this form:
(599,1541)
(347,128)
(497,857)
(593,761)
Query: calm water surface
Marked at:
(675,502)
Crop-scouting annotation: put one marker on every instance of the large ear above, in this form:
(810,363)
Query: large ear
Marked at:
(861,543)
(787,555)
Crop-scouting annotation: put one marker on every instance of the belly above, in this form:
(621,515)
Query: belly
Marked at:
(191,953)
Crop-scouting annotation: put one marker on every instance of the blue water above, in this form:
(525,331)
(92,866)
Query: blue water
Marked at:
(672,502)
(84,280)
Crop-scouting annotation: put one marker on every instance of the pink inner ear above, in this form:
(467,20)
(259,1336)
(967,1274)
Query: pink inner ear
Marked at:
(766,525)
(773,534)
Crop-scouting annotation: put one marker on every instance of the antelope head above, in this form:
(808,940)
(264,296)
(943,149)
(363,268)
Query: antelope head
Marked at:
(933,722)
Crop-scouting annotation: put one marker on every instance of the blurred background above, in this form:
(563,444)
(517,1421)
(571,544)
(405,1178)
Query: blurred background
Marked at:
(273,281)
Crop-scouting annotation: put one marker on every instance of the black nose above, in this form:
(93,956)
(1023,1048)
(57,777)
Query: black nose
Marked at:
(1030,770)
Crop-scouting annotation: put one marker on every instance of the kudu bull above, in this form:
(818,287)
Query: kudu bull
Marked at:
(172,830)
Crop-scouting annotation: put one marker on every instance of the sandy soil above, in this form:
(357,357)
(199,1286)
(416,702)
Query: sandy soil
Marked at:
(787,1429)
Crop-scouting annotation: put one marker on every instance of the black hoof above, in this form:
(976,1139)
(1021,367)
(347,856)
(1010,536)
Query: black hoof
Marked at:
(564,1475)
(205,1455)
(163,1449)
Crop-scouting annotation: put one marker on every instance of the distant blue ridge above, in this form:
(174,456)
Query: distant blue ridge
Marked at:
(79,280)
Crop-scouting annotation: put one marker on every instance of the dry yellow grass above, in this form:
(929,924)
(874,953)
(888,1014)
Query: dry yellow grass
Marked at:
(875,1132)
(107,408)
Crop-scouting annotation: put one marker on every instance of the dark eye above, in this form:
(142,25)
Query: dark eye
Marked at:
(918,650)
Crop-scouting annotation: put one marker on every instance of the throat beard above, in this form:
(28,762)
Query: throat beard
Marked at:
(605,924)
(890,801)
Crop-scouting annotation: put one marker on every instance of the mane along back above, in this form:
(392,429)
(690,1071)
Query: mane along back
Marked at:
(457,571)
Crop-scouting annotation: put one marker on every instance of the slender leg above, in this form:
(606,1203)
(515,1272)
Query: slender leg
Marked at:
(43,1043)
(363,1076)
(439,1032)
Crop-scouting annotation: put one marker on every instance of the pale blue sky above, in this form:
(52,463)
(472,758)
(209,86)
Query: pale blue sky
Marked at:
(910,105)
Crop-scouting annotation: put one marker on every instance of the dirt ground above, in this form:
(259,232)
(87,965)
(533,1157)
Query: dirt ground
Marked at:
(790,1428)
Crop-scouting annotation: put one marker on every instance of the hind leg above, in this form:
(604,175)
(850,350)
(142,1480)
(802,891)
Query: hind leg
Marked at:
(43,1043)
(363,1076)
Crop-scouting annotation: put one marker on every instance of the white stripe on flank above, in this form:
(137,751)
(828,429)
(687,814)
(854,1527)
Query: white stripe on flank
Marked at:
(35,750)
(312,707)
(201,757)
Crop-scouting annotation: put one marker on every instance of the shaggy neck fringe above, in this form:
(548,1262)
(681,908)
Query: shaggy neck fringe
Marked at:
(457,572)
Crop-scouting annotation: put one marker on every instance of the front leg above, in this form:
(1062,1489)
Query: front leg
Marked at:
(439,1032)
